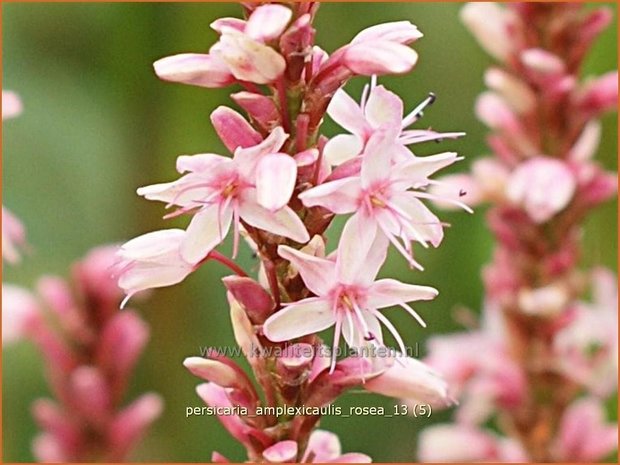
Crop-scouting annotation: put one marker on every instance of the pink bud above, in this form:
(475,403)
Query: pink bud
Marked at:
(259,107)
(233,129)
(247,59)
(379,57)
(91,394)
(19,311)
(542,62)
(195,69)
(95,273)
(267,22)
(131,423)
(276,175)
(242,328)
(51,418)
(212,370)
(542,186)
(251,296)
(513,90)
(493,111)
(11,104)
(280,452)
(490,25)
(121,342)
(47,449)
(599,95)
(586,145)
(216,457)
(401,32)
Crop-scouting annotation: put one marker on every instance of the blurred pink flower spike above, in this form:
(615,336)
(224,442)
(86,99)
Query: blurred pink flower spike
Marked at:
(240,54)
(152,260)
(584,436)
(13,236)
(11,104)
(347,296)
(221,191)
(599,95)
(20,310)
(382,199)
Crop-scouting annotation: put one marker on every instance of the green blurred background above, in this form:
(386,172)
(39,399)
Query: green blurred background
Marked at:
(98,123)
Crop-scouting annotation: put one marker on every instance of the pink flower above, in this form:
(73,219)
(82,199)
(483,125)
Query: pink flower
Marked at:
(346,295)
(19,310)
(379,108)
(221,191)
(584,436)
(13,236)
(240,54)
(382,200)
(542,186)
(11,105)
(460,443)
(152,260)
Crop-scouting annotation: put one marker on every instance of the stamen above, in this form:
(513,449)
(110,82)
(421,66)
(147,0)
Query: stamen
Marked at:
(388,324)
(418,111)
(413,313)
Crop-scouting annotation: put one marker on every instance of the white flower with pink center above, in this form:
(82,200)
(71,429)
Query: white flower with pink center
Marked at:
(347,296)
(385,199)
(221,192)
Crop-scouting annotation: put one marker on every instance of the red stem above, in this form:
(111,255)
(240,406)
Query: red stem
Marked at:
(224,260)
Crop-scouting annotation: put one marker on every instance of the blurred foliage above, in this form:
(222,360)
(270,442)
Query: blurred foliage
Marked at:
(98,123)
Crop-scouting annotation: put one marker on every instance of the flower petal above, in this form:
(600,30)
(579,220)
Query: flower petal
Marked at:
(307,316)
(387,292)
(357,237)
(267,22)
(249,60)
(276,175)
(317,273)
(340,196)
(233,129)
(207,229)
(384,108)
(342,148)
(195,69)
(283,222)
(347,113)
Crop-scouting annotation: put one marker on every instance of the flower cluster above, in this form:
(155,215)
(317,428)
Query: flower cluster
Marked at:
(280,191)
(90,349)
(545,357)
